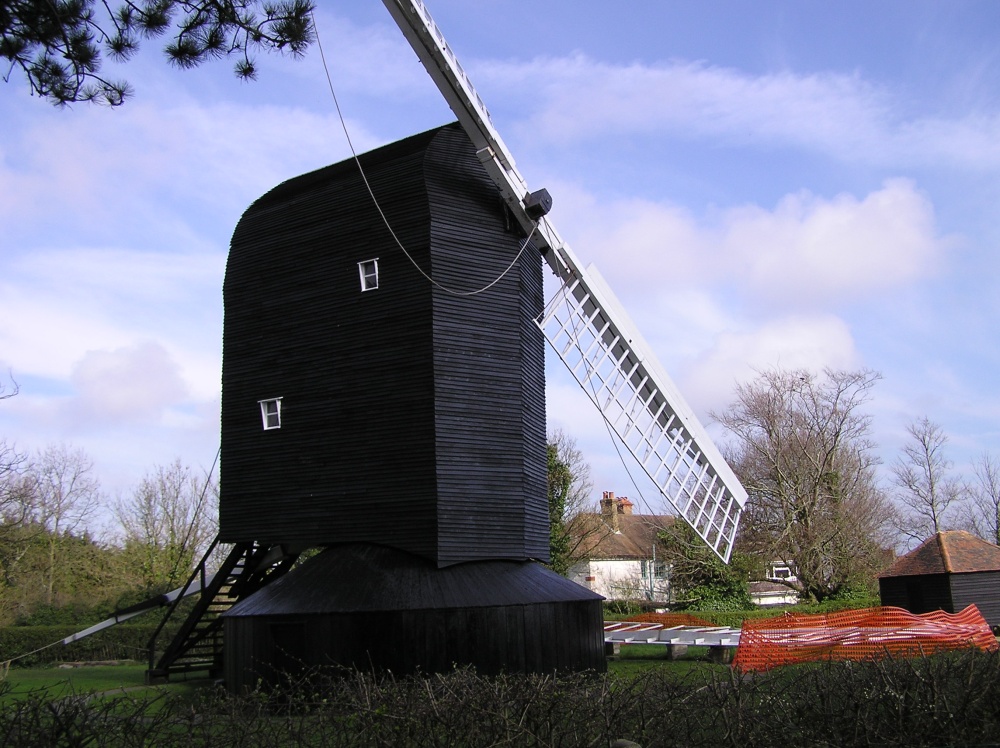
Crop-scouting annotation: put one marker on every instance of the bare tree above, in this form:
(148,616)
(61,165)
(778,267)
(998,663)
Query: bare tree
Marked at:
(16,499)
(579,494)
(14,496)
(167,521)
(12,463)
(984,498)
(930,497)
(803,452)
(66,495)
(4,395)
(574,527)
(16,531)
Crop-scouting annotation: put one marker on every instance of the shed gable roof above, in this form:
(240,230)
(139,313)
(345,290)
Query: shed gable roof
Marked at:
(950,552)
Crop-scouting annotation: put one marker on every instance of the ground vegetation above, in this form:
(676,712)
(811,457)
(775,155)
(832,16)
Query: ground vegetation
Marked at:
(945,700)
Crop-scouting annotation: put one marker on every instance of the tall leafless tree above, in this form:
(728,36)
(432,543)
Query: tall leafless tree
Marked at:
(168,521)
(16,497)
(801,446)
(984,498)
(930,497)
(66,496)
(569,490)
(14,494)
(580,493)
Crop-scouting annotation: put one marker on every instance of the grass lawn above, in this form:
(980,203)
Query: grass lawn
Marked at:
(111,679)
(636,659)
(78,680)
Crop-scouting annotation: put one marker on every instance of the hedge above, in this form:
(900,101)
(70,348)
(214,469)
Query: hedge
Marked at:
(615,610)
(946,700)
(122,642)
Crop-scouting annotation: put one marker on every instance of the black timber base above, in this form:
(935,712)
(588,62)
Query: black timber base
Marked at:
(375,608)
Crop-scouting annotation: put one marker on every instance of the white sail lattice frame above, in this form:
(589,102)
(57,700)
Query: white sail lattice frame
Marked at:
(594,337)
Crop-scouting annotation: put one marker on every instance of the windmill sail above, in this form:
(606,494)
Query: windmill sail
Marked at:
(588,328)
(595,339)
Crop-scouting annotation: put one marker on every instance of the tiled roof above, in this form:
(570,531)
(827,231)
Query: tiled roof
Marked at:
(951,552)
(634,539)
(762,587)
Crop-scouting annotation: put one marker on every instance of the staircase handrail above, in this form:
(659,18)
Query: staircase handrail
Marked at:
(198,570)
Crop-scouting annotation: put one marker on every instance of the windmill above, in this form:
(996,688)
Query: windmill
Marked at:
(383,398)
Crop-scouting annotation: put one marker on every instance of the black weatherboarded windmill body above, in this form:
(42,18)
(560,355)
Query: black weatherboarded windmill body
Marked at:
(383,397)
(409,416)
(397,420)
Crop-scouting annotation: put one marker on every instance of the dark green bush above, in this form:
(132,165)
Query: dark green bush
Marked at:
(732,616)
(735,618)
(946,700)
(76,614)
(122,642)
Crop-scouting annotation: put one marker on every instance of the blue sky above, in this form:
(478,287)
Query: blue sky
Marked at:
(785,183)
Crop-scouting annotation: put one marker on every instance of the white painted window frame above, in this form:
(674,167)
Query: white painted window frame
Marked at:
(369,279)
(266,413)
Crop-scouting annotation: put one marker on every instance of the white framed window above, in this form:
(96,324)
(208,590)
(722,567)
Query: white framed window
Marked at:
(368,270)
(659,569)
(781,571)
(270,413)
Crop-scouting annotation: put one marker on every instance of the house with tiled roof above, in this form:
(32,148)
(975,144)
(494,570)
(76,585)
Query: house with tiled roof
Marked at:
(949,571)
(617,548)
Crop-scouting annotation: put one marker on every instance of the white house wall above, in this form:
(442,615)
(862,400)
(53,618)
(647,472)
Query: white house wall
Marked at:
(619,579)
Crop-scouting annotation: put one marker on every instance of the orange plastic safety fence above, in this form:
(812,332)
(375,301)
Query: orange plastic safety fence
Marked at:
(670,619)
(858,635)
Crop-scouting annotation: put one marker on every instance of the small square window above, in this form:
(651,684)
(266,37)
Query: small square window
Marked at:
(368,270)
(270,413)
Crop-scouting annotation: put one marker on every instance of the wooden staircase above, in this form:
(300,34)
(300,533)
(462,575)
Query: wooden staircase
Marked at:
(198,644)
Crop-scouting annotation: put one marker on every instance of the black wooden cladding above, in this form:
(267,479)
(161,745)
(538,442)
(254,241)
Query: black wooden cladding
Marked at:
(537,638)
(412,416)
(917,594)
(951,593)
(373,607)
(981,589)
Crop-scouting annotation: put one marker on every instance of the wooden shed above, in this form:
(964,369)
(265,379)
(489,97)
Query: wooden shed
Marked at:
(383,395)
(949,571)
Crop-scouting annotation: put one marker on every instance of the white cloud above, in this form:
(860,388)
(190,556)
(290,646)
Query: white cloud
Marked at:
(125,217)
(841,115)
(350,48)
(155,171)
(806,252)
(127,385)
(811,250)
(806,342)
(63,303)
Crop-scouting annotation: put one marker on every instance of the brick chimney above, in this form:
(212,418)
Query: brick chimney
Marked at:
(610,509)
